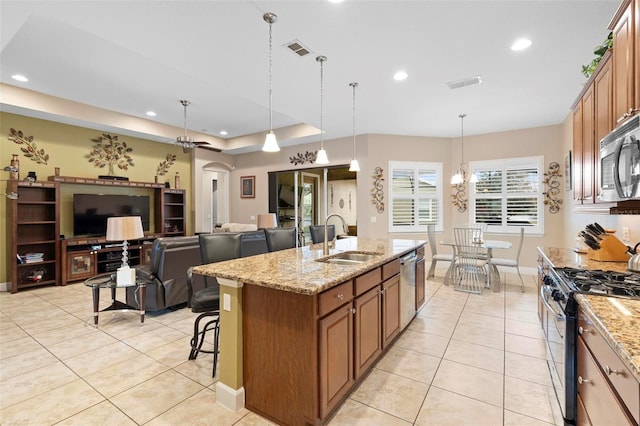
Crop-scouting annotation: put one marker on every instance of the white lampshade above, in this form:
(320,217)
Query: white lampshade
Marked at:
(322,157)
(270,143)
(124,228)
(456,179)
(267,220)
(473,178)
(354,166)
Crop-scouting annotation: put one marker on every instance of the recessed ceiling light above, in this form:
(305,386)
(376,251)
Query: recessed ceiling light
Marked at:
(520,44)
(223,132)
(400,75)
(20,77)
(151,113)
(336,1)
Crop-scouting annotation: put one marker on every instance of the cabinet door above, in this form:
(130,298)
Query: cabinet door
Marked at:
(80,265)
(603,86)
(336,357)
(623,65)
(420,283)
(577,154)
(390,309)
(368,333)
(588,145)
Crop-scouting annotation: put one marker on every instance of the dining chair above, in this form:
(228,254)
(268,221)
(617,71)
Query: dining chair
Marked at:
(470,269)
(280,238)
(511,263)
(317,233)
(435,257)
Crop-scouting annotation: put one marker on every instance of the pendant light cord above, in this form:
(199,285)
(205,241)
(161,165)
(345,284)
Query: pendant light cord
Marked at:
(354,85)
(270,80)
(322,59)
(462,116)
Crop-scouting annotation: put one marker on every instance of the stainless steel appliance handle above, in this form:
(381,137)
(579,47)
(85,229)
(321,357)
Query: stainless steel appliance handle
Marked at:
(543,296)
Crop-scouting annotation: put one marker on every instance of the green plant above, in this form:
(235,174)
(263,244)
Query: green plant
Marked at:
(599,51)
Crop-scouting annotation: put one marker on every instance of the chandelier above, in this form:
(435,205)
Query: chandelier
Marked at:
(461,175)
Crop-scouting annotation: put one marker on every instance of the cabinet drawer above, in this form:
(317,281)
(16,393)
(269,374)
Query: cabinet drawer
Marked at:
(367,281)
(616,372)
(335,297)
(420,252)
(600,401)
(390,269)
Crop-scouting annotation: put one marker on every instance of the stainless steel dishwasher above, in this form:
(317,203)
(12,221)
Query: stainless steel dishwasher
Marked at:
(407,288)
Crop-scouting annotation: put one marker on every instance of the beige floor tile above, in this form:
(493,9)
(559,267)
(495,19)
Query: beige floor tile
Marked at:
(525,346)
(130,372)
(25,362)
(185,325)
(446,408)
(77,345)
(439,327)
(480,336)
(392,394)
(33,383)
(168,317)
(426,343)
(527,368)
(529,399)
(485,307)
(199,370)
(172,354)
(48,324)
(522,315)
(524,329)
(123,328)
(410,364)
(91,362)
(516,419)
(60,334)
(475,355)
(476,383)
(252,419)
(154,339)
(53,406)
(97,414)
(484,321)
(354,413)
(155,396)
(199,409)
(18,346)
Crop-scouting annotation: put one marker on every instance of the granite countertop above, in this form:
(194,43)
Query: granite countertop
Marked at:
(296,270)
(617,319)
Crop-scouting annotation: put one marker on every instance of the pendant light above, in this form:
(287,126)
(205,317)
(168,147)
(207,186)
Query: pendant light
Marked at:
(270,142)
(322,154)
(354,166)
(462,173)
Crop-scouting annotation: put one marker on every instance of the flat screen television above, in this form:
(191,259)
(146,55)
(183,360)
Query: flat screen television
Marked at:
(90,211)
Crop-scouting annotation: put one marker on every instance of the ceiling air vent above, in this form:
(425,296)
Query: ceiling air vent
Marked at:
(298,48)
(476,79)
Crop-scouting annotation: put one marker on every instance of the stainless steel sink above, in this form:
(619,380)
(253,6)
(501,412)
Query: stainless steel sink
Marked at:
(349,257)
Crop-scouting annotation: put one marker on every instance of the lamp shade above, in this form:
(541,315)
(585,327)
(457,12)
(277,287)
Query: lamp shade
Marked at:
(270,143)
(267,220)
(122,228)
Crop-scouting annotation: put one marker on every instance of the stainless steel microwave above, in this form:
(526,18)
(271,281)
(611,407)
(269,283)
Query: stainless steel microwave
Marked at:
(620,163)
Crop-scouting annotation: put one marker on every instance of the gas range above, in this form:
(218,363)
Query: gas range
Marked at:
(607,283)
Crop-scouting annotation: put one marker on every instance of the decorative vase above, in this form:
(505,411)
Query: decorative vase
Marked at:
(15,162)
(156,179)
(177,185)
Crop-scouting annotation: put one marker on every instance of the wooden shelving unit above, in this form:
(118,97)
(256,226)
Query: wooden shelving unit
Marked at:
(171,212)
(33,224)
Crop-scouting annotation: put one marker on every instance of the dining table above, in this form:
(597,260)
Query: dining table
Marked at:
(490,245)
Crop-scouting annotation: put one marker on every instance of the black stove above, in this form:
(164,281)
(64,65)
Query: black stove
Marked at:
(608,283)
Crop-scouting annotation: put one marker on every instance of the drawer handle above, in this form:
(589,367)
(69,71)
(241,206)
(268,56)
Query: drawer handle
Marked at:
(581,380)
(583,330)
(340,296)
(610,371)
(353,310)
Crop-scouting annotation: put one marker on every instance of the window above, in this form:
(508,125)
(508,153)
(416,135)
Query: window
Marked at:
(508,194)
(414,206)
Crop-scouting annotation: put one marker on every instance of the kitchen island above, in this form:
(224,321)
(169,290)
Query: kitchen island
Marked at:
(608,346)
(297,333)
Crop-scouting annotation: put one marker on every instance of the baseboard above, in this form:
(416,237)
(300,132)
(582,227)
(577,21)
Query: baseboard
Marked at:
(5,286)
(232,399)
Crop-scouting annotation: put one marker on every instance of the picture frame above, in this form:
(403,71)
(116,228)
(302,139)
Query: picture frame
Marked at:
(567,172)
(247,186)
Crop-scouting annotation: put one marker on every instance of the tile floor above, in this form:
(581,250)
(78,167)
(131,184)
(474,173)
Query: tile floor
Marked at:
(466,359)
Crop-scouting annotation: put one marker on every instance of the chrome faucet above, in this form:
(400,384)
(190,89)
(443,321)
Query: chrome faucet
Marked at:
(325,246)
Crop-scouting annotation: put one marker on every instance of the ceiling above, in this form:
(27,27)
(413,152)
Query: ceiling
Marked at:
(133,56)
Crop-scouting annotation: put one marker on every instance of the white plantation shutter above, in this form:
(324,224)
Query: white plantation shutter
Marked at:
(415,196)
(508,194)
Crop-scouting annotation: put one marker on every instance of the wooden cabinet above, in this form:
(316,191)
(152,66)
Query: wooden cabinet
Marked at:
(170,211)
(390,310)
(33,227)
(368,330)
(626,63)
(584,148)
(608,391)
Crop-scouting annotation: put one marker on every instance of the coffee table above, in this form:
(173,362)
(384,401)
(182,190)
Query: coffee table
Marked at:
(109,281)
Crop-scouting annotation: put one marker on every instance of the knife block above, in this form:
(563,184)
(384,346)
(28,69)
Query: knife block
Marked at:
(611,250)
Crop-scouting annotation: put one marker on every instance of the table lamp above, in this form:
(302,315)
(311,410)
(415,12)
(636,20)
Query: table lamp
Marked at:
(123,228)
(267,220)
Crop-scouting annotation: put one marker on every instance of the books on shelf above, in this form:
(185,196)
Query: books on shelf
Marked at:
(30,258)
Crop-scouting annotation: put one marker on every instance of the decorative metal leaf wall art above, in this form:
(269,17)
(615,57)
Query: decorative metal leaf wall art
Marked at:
(307,157)
(166,164)
(459,198)
(552,180)
(377,193)
(29,148)
(108,151)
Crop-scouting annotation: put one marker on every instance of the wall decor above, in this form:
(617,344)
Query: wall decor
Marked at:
(30,149)
(247,186)
(108,151)
(567,172)
(552,181)
(377,193)
(459,197)
(165,165)
(307,157)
